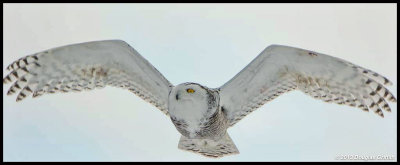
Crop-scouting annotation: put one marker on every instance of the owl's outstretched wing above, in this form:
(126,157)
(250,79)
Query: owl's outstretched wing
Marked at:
(87,66)
(279,69)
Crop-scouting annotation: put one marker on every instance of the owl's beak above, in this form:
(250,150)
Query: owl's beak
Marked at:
(177,96)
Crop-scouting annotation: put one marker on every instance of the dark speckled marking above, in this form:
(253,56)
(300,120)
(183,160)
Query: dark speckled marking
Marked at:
(28,89)
(378,88)
(25,69)
(15,74)
(10,91)
(386,106)
(386,80)
(312,54)
(368,81)
(379,101)
(23,79)
(386,93)
(8,78)
(372,105)
(37,64)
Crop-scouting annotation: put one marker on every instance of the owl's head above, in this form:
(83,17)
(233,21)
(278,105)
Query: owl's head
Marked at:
(192,100)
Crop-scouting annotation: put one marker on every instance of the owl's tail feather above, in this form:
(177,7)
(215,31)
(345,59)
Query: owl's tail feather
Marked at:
(209,147)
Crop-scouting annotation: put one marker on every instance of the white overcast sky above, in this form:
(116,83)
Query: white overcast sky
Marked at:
(207,44)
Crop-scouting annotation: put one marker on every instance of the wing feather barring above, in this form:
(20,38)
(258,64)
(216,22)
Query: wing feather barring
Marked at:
(201,114)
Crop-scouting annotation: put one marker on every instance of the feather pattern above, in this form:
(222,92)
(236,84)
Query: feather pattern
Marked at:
(87,66)
(280,69)
(200,114)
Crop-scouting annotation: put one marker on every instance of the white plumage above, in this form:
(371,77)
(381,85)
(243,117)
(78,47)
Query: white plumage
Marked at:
(279,69)
(202,115)
(87,66)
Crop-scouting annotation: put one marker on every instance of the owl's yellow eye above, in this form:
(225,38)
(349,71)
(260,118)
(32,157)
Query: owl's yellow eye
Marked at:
(190,90)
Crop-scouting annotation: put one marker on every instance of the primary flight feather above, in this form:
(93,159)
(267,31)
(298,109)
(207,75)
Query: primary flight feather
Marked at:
(201,114)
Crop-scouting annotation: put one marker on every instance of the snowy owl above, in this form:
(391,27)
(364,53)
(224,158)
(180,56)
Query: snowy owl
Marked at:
(201,115)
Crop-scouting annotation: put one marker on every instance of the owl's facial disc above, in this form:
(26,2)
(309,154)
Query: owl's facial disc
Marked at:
(191,100)
(193,105)
(189,92)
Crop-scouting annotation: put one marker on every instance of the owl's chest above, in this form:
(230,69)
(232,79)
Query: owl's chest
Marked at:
(212,127)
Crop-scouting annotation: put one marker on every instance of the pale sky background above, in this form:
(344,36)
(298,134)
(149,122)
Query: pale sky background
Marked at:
(207,44)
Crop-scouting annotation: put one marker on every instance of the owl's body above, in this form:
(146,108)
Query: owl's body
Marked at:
(201,115)
(198,116)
